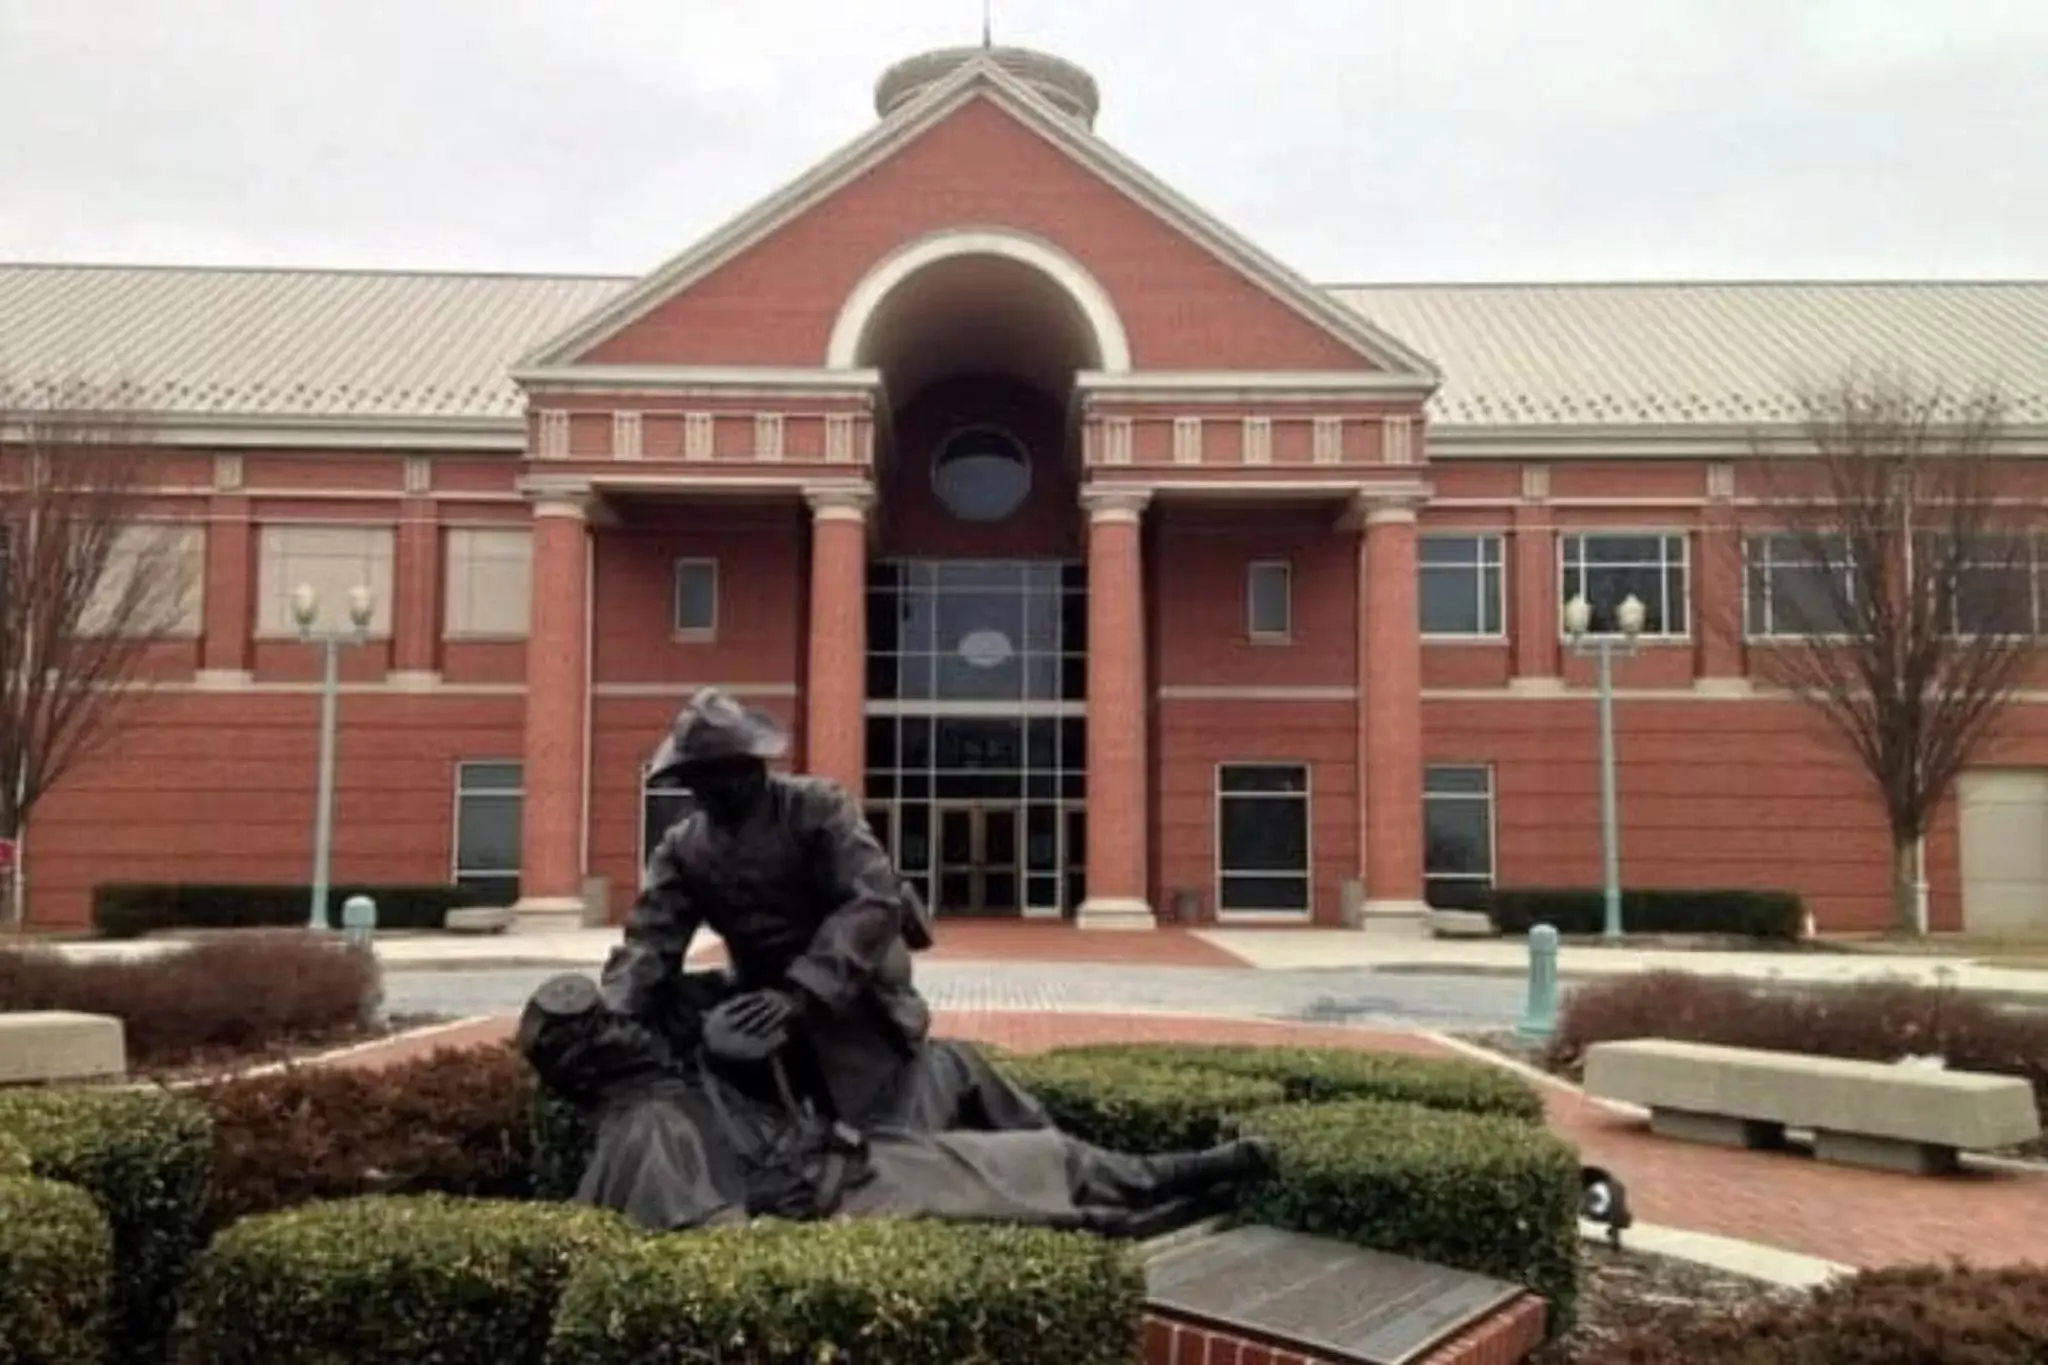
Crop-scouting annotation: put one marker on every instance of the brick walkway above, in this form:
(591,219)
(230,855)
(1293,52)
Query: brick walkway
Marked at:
(1860,1218)
(1047,941)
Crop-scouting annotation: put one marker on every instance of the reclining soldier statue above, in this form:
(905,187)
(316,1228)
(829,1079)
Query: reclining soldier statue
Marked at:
(698,1125)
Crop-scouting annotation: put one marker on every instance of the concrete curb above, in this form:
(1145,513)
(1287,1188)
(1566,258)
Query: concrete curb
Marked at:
(1751,1260)
(2035,998)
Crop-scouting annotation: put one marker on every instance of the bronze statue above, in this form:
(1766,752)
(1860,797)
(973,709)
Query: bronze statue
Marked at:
(704,1127)
(818,924)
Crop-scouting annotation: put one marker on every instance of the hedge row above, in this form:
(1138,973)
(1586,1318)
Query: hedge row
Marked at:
(1908,1315)
(1778,915)
(144,1158)
(230,995)
(132,909)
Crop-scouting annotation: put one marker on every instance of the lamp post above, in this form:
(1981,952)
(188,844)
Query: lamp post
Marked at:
(1578,618)
(306,614)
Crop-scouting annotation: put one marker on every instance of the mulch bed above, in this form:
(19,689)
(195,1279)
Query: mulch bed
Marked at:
(1626,1292)
(227,1063)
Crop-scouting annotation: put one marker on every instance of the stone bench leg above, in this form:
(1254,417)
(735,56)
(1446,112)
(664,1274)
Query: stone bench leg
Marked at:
(1885,1154)
(1718,1130)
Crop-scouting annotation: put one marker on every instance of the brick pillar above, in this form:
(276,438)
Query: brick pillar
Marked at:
(557,681)
(1390,712)
(835,689)
(1119,803)
(416,614)
(1718,604)
(1533,601)
(225,655)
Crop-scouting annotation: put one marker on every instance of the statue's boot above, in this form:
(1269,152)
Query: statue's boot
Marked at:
(1118,1179)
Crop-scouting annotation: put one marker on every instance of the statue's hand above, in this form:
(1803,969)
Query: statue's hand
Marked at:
(750,1026)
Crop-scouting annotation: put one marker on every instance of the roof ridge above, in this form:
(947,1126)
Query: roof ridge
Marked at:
(1752,282)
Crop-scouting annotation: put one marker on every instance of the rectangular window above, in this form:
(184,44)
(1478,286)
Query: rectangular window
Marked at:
(1262,838)
(1996,581)
(488,799)
(697,597)
(331,560)
(489,591)
(1607,568)
(1269,600)
(1457,824)
(660,808)
(152,585)
(1461,588)
(1798,585)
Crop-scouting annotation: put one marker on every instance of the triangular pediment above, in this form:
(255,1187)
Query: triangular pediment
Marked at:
(1308,329)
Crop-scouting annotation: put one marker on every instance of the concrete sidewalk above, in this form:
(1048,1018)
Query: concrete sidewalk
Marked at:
(1397,951)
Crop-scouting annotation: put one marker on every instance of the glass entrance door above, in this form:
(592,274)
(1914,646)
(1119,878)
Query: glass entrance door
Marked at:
(980,856)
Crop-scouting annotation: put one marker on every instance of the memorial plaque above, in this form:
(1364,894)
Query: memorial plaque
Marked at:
(1319,1295)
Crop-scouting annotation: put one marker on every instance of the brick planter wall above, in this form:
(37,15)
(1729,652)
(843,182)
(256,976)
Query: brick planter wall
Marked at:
(1507,1337)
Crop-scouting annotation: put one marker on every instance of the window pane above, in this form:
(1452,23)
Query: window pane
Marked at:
(1629,550)
(1803,602)
(1457,835)
(1450,601)
(696,595)
(1453,550)
(1490,600)
(1262,777)
(1263,834)
(477,777)
(1264,893)
(1456,781)
(487,834)
(881,742)
(1267,593)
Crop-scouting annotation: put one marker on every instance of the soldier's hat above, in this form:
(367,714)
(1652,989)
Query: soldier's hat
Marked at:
(712,726)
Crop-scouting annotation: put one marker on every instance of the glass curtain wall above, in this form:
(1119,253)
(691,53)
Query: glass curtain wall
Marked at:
(976,731)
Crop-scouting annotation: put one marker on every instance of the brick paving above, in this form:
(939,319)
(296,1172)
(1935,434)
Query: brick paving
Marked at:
(1860,1218)
(1050,941)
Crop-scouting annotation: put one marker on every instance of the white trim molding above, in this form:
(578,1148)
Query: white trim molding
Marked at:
(1252,386)
(1112,503)
(724,381)
(857,314)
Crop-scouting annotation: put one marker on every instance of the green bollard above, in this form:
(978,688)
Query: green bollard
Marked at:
(359,919)
(1539,1016)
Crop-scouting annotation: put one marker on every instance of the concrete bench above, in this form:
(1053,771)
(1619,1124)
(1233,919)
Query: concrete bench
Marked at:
(41,1046)
(1894,1118)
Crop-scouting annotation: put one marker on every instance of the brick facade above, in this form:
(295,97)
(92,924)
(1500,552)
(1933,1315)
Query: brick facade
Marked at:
(1245,429)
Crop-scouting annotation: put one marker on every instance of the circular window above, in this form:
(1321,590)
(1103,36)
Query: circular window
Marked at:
(981,474)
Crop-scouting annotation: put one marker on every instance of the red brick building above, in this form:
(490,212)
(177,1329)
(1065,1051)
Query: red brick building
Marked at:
(1108,557)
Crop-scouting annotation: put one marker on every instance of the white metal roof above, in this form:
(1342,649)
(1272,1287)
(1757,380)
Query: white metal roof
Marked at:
(397,345)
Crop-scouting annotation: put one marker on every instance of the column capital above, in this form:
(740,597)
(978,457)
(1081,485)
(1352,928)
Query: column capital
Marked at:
(839,501)
(1111,502)
(570,498)
(1389,505)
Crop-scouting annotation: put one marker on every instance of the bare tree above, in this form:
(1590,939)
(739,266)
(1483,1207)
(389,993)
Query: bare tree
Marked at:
(1890,585)
(88,585)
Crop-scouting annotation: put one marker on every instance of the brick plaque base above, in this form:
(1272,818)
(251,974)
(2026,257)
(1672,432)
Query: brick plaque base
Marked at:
(1261,1296)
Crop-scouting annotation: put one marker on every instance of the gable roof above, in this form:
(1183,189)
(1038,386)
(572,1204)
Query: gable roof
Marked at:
(418,348)
(979,77)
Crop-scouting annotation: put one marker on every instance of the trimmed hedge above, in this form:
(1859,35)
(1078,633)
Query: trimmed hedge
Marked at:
(132,909)
(56,1260)
(1134,1104)
(14,1159)
(1743,914)
(905,1293)
(398,1280)
(1907,1315)
(143,1156)
(1319,1075)
(452,1122)
(561,1139)
(231,995)
(1495,1196)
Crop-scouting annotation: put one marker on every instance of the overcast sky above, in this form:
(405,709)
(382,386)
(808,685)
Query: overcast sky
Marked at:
(1356,139)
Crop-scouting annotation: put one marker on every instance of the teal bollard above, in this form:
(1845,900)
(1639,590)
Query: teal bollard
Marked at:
(1539,1016)
(359,919)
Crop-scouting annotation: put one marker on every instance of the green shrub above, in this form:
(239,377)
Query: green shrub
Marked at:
(1140,1105)
(1495,1196)
(905,1293)
(398,1280)
(132,909)
(1318,1075)
(452,1122)
(1742,914)
(562,1140)
(1905,1315)
(56,1260)
(144,1157)
(14,1158)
